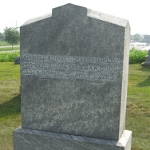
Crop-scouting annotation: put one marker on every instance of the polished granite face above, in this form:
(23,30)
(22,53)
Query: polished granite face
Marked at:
(74,67)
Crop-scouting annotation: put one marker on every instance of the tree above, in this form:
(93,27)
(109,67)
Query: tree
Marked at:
(1,36)
(137,38)
(12,36)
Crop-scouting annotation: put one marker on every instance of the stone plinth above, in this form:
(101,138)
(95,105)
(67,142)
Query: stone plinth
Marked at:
(26,139)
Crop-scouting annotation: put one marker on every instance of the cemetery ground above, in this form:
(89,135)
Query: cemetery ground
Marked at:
(9,48)
(4,46)
(138,104)
(4,43)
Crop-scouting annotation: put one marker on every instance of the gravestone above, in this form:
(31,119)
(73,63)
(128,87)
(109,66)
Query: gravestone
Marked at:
(17,60)
(147,60)
(74,74)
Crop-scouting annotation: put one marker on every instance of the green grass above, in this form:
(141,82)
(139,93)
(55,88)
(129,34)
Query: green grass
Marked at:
(138,105)
(10,117)
(8,57)
(9,48)
(4,43)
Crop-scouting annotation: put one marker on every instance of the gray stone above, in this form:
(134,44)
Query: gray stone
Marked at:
(17,60)
(27,139)
(147,60)
(74,73)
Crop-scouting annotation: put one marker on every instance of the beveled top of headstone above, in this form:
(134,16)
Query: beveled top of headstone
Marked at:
(74,66)
(71,10)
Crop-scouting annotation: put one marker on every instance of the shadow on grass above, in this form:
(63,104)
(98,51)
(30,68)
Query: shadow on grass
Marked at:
(145,83)
(11,107)
(145,68)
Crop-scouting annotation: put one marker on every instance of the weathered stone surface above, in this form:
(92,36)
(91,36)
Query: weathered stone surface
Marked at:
(147,60)
(74,73)
(74,66)
(26,139)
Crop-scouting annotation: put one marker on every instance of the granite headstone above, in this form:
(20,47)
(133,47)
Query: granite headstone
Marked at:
(147,60)
(17,60)
(74,74)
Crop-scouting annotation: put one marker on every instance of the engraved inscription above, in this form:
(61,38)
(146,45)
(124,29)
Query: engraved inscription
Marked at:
(69,67)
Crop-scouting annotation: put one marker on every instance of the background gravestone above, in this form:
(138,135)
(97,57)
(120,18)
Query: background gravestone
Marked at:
(17,60)
(74,73)
(147,60)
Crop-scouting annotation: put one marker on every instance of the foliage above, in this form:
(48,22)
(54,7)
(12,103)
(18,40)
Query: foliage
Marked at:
(12,35)
(136,38)
(10,117)
(8,57)
(137,56)
(1,36)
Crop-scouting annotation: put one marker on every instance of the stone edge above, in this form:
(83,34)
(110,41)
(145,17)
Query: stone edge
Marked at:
(107,18)
(123,142)
(145,64)
(90,13)
(37,19)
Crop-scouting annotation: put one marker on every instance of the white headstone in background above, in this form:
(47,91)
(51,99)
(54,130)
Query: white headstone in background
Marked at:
(147,60)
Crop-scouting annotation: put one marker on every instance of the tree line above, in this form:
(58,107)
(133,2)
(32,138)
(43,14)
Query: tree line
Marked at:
(10,35)
(136,38)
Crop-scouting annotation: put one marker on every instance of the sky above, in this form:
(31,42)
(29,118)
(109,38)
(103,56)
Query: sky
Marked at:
(15,12)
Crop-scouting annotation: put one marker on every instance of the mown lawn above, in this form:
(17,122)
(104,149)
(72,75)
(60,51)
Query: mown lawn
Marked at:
(4,43)
(138,106)
(9,48)
(4,46)
(10,117)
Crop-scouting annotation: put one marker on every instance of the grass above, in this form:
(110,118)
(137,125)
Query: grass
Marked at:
(8,57)
(4,43)
(4,46)
(138,107)
(9,48)
(138,112)
(9,103)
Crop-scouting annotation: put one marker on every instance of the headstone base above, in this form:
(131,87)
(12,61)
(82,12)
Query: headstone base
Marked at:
(147,60)
(145,64)
(27,139)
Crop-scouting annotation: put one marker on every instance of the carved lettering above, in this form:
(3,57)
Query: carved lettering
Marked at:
(69,67)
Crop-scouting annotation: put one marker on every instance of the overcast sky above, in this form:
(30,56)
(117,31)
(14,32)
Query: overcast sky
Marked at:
(16,12)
